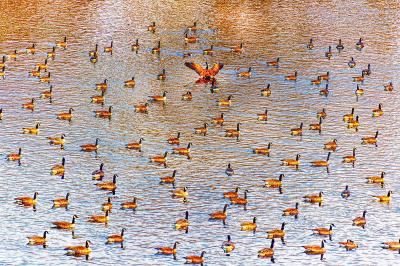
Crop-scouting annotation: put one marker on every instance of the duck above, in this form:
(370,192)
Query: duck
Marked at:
(61,202)
(244,74)
(292,77)
(228,246)
(31,49)
(66,116)
(360,44)
(249,226)
(94,53)
(135,46)
(209,51)
(377,112)
(190,39)
(389,87)
(349,117)
(345,193)
(359,91)
(152,27)
(27,201)
(109,49)
(116,238)
(266,92)
(168,250)
(159,98)
(130,83)
(292,162)
(325,76)
(292,211)
(99,173)
(323,231)
(315,250)
(240,201)
(141,108)
(66,225)
(386,198)
(183,151)
(91,147)
(322,163)
(229,170)
(297,131)
(263,116)
(359,78)
(63,43)
(80,250)
(15,156)
(161,159)
(314,198)
(183,224)
(367,71)
(277,233)
(104,113)
(168,179)
(107,206)
(218,120)
(317,127)
(99,218)
(351,158)
(29,105)
(263,151)
(316,81)
(371,140)
(38,240)
(103,85)
(131,205)
(99,99)
(392,245)
(329,54)
(135,145)
(274,183)
(267,252)
(354,124)
(325,92)
(187,96)
(310,44)
(238,49)
(157,49)
(47,93)
(331,145)
(201,130)
(225,102)
(180,192)
(195,259)
(340,46)
(231,194)
(349,244)
(274,63)
(234,133)
(219,215)
(111,186)
(52,53)
(351,63)
(377,179)
(46,79)
(59,169)
(176,140)
(31,130)
(206,74)
(360,221)
(42,66)
(322,114)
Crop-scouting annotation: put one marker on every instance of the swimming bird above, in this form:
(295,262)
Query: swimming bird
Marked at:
(99,218)
(292,211)
(346,192)
(267,252)
(238,49)
(231,194)
(377,179)
(107,206)
(183,224)
(15,156)
(109,49)
(292,162)
(371,140)
(274,183)
(62,202)
(229,170)
(195,259)
(159,98)
(377,112)
(63,43)
(297,131)
(386,198)
(176,140)
(310,44)
(135,145)
(141,108)
(266,92)
(263,151)
(66,225)
(104,113)
(27,201)
(340,46)
(315,250)
(99,173)
(66,116)
(80,250)
(218,120)
(228,246)
(360,221)
(314,198)
(111,186)
(329,54)
(160,159)
(116,238)
(351,63)
(233,133)
(349,245)
(331,145)
(292,77)
(249,226)
(131,205)
(38,240)
(168,250)
(263,116)
(277,233)
(31,130)
(59,169)
(91,147)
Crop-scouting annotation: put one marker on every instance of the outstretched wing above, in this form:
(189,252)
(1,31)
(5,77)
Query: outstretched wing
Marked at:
(215,69)
(196,67)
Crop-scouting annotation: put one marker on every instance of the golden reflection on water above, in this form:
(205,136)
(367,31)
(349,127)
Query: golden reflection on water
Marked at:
(268,29)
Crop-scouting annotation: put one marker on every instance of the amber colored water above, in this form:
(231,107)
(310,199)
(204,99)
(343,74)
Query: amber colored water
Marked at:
(268,29)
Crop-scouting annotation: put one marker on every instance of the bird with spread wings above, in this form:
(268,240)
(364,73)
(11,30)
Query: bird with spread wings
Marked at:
(207,73)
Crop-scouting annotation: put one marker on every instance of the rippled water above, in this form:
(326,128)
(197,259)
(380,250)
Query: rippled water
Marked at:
(268,29)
